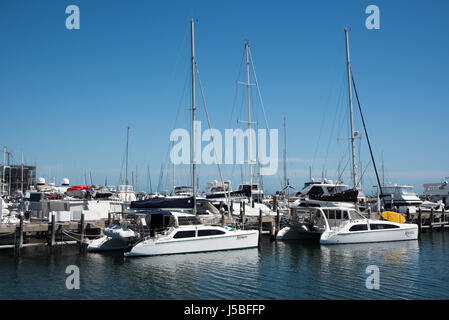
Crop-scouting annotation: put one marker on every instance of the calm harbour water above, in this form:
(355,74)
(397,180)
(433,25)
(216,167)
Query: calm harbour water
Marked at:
(275,270)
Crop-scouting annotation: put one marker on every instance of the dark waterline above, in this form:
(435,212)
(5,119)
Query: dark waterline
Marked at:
(275,270)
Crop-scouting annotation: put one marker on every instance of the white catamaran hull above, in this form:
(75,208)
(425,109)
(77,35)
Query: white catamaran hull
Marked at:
(297,233)
(230,241)
(106,243)
(409,232)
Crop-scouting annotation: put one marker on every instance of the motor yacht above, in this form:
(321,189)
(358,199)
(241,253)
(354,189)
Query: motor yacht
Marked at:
(438,192)
(329,191)
(406,200)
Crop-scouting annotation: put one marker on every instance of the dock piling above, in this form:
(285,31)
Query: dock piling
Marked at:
(419,223)
(431,220)
(82,227)
(242,214)
(53,230)
(222,211)
(278,222)
(275,202)
(260,223)
(443,217)
(19,237)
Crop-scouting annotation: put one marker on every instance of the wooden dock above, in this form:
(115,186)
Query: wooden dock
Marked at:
(49,233)
(52,233)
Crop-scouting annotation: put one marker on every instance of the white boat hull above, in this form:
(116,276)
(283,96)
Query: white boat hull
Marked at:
(106,243)
(406,232)
(291,233)
(240,239)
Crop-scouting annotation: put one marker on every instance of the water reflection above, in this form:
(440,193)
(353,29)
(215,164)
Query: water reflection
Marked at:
(385,252)
(275,270)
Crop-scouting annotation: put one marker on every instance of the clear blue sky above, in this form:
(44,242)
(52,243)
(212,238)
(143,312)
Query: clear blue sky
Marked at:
(67,96)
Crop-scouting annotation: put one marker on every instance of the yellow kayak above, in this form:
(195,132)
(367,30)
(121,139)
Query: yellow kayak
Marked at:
(393,216)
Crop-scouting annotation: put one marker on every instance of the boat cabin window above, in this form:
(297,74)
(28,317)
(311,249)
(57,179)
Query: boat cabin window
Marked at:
(408,190)
(157,222)
(184,234)
(359,227)
(209,232)
(316,191)
(334,217)
(36,196)
(381,226)
(186,221)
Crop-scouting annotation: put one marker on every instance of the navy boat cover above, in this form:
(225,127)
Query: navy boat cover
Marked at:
(181,203)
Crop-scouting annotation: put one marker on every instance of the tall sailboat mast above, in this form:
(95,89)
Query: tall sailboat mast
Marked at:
(249,122)
(193,116)
(348,65)
(126,165)
(285,154)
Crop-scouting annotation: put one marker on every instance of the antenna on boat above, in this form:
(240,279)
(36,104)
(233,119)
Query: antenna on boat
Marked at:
(348,66)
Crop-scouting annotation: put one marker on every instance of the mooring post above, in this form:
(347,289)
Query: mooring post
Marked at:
(241,213)
(222,211)
(109,219)
(278,222)
(53,230)
(260,223)
(443,217)
(275,202)
(419,223)
(19,239)
(431,219)
(82,232)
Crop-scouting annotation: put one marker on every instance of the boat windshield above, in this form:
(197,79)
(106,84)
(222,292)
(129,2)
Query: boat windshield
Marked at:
(182,189)
(399,190)
(186,220)
(408,190)
(337,189)
(125,188)
(218,189)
